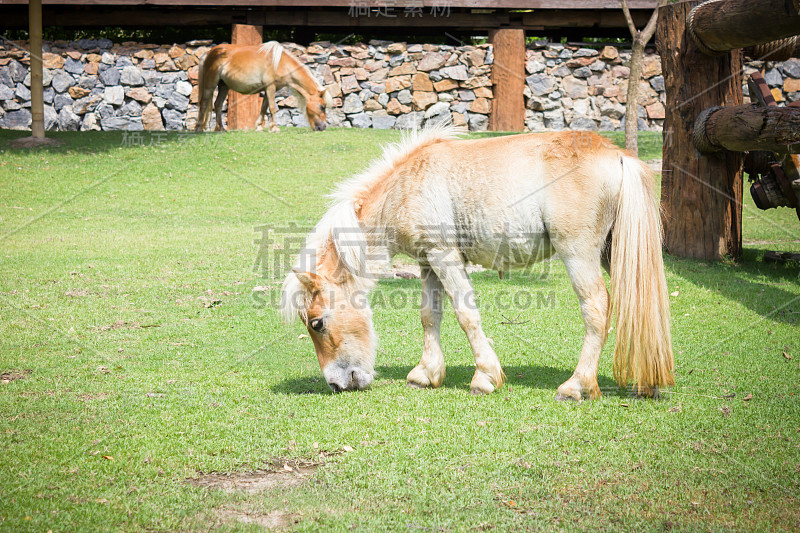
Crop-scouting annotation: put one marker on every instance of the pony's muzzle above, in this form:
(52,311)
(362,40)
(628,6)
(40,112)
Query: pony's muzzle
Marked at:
(320,126)
(350,378)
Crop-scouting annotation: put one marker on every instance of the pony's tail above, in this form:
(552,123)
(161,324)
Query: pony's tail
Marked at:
(643,353)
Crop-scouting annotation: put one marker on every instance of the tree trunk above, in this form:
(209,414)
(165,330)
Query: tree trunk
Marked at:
(701,196)
(632,98)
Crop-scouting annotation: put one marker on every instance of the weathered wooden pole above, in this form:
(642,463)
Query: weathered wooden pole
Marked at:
(701,195)
(37,89)
(508,78)
(243,109)
(721,25)
(748,127)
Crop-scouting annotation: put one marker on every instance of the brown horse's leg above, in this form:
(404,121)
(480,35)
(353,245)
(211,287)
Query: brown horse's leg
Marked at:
(273,109)
(206,95)
(430,370)
(262,116)
(222,93)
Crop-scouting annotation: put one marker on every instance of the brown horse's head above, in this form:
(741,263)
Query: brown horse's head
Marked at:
(339,322)
(316,102)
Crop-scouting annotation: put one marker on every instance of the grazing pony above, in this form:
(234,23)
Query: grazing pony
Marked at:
(252,69)
(500,202)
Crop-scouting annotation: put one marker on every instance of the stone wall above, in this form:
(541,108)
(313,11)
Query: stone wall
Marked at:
(99,85)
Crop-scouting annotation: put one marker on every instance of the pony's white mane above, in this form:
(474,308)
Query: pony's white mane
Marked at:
(273,48)
(340,223)
(276,50)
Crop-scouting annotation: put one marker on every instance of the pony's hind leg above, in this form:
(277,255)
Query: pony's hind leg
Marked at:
(431,369)
(587,281)
(449,267)
(222,93)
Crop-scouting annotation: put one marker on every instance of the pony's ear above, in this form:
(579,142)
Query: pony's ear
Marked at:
(326,96)
(312,282)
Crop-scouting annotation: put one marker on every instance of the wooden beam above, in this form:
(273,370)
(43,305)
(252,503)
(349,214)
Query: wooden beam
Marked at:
(554,21)
(723,25)
(453,4)
(748,127)
(243,109)
(701,196)
(508,78)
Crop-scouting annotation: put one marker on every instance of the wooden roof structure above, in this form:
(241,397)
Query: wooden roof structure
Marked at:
(566,18)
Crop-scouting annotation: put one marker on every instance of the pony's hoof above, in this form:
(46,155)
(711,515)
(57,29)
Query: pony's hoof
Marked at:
(567,398)
(274,129)
(481,384)
(419,378)
(568,391)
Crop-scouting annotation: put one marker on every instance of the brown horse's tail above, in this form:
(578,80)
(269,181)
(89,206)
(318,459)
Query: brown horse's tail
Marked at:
(643,353)
(202,115)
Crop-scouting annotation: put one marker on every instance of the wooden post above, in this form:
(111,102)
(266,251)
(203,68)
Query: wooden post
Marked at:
(747,128)
(723,25)
(701,196)
(243,109)
(37,89)
(508,78)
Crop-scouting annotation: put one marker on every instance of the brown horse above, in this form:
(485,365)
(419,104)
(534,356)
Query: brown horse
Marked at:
(500,203)
(252,69)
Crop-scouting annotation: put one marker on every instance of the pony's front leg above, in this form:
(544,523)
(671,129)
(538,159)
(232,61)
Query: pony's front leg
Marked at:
(273,108)
(262,115)
(450,269)
(587,281)
(431,369)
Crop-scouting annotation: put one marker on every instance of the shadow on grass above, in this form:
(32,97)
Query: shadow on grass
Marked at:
(90,142)
(751,282)
(458,377)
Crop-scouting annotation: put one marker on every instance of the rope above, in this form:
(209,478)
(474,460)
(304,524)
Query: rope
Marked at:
(779,50)
(696,38)
(699,135)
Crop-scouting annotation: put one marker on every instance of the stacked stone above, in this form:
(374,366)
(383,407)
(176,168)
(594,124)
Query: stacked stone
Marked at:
(586,89)
(386,85)
(99,85)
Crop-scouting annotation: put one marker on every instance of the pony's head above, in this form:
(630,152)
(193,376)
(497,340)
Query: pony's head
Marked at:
(316,102)
(339,322)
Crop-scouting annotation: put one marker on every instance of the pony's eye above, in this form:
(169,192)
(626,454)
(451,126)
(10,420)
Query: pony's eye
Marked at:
(317,324)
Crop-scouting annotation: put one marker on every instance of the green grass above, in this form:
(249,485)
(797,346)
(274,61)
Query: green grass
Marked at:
(126,279)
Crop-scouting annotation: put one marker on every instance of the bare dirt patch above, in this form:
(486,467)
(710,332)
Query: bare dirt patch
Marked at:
(284,475)
(13,375)
(120,324)
(271,520)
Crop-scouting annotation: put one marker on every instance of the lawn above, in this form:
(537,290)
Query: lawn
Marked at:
(147,386)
